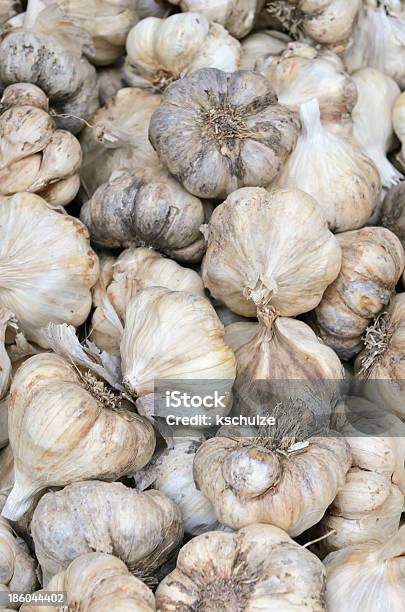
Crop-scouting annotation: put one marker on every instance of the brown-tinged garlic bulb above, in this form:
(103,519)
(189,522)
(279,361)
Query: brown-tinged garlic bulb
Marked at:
(134,270)
(302,73)
(237,16)
(258,567)
(373,260)
(17,568)
(261,45)
(65,426)
(35,156)
(142,529)
(269,250)
(218,131)
(46,49)
(322,159)
(51,269)
(379,40)
(173,335)
(96,582)
(398,121)
(146,208)
(279,359)
(380,367)
(393,211)
(372,123)
(160,51)
(367,576)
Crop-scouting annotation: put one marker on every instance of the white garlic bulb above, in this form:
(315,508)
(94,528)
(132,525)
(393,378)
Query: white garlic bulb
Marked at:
(367,576)
(321,159)
(159,51)
(17,568)
(259,45)
(96,582)
(142,529)
(398,121)
(379,40)
(101,439)
(134,270)
(258,567)
(372,123)
(269,250)
(52,269)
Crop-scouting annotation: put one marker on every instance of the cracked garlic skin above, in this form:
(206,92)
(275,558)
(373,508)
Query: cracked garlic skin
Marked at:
(52,268)
(373,260)
(101,439)
(171,335)
(257,568)
(46,50)
(17,567)
(135,269)
(269,250)
(380,367)
(141,528)
(368,576)
(322,159)
(35,156)
(303,72)
(98,582)
(393,211)
(160,51)
(218,131)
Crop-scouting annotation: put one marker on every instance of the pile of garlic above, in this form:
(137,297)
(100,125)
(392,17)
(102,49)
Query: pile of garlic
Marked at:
(202,305)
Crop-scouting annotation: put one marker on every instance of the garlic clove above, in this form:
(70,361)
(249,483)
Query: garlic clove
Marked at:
(61,158)
(62,192)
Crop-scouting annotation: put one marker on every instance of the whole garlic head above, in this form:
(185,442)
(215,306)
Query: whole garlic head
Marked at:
(159,51)
(322,159)
(46,262)
(65,427)
(218,131)
(259,566)
(269,250)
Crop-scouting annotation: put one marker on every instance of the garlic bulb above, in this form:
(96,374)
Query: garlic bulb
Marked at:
(286,478)
(393,211)
(46,50)
(322,159)
(52,269)
(134,270)
(269,250)
(237,16)
(142,529)
(96,582)
(101,439)
(217,131)
(17,568)
(367,576)
(373,260)
(379,368)
(173,335)
(160,51)
(302,73)
(379,40)
(259,45)
(35,156)
(258,567)
(172,474)
(279,359)
(145,208)
(398,121)
(372,123)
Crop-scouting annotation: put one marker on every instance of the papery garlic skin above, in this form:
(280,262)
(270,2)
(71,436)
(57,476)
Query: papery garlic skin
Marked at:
(134,270)
(398,121)
(160,51)
(97,581)
(367,576)
(321,159)
(171,335)
(302,73)
(49,397)
(373,260)
(220,571)
(17,568)
(218,131)
(269,250)
(142,529)
(372,123)
(259,45)
(393,211)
